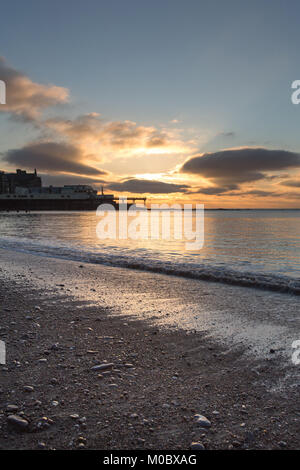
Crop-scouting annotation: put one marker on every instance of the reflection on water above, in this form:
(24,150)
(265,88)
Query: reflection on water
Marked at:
(256,241)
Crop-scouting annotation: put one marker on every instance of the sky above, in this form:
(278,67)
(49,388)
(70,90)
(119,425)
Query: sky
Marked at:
(177,101)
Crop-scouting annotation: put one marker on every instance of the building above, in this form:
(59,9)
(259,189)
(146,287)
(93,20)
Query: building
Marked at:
(10,181)
(23,191)
(3,183)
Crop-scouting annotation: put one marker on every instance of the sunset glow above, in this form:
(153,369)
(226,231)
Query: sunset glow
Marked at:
(197,149)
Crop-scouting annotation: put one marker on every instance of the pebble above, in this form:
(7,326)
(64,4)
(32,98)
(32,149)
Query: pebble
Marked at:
(44,423)
(28,388)
(17,421)
(103,366)
(202,421)
(282,444)
(12,408)
(197,446)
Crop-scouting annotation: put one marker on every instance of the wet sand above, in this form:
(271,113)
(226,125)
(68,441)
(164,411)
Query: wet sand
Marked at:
(177,348)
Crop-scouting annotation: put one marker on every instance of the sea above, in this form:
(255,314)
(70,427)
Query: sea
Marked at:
(253,248)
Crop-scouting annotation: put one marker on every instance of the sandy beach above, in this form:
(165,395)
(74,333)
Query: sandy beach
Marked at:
(60,319)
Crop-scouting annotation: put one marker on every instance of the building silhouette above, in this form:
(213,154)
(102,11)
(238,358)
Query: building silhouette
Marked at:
(10,181)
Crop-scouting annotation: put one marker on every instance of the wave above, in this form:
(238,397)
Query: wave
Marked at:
(201,271)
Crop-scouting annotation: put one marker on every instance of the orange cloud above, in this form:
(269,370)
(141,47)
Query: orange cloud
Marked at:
(26,99)
(118,138)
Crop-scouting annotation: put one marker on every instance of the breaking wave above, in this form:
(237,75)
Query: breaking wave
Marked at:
(147,262)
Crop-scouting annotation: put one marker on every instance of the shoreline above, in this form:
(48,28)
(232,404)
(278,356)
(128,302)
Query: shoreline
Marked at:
(259,320)
(56,331)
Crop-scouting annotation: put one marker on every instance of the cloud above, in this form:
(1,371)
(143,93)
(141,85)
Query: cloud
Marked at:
(291,183)
(214,190)
(51,156)
(258,193)
(124,138)
(26,99)
(236,166)
(61,179)
(147,186)
(227,134)
(92,136)
(231,191)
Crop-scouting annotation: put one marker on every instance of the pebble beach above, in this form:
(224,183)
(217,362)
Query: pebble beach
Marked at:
(81,375)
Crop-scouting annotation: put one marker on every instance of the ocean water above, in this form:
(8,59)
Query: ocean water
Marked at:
(258,248)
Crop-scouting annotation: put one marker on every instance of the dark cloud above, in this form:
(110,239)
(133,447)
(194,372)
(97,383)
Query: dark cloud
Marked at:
(50,156)
(227,134)
(214,190)
(146,186)
(258,193)
(236,166)
(291,183)
(63,178)
(231,191)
